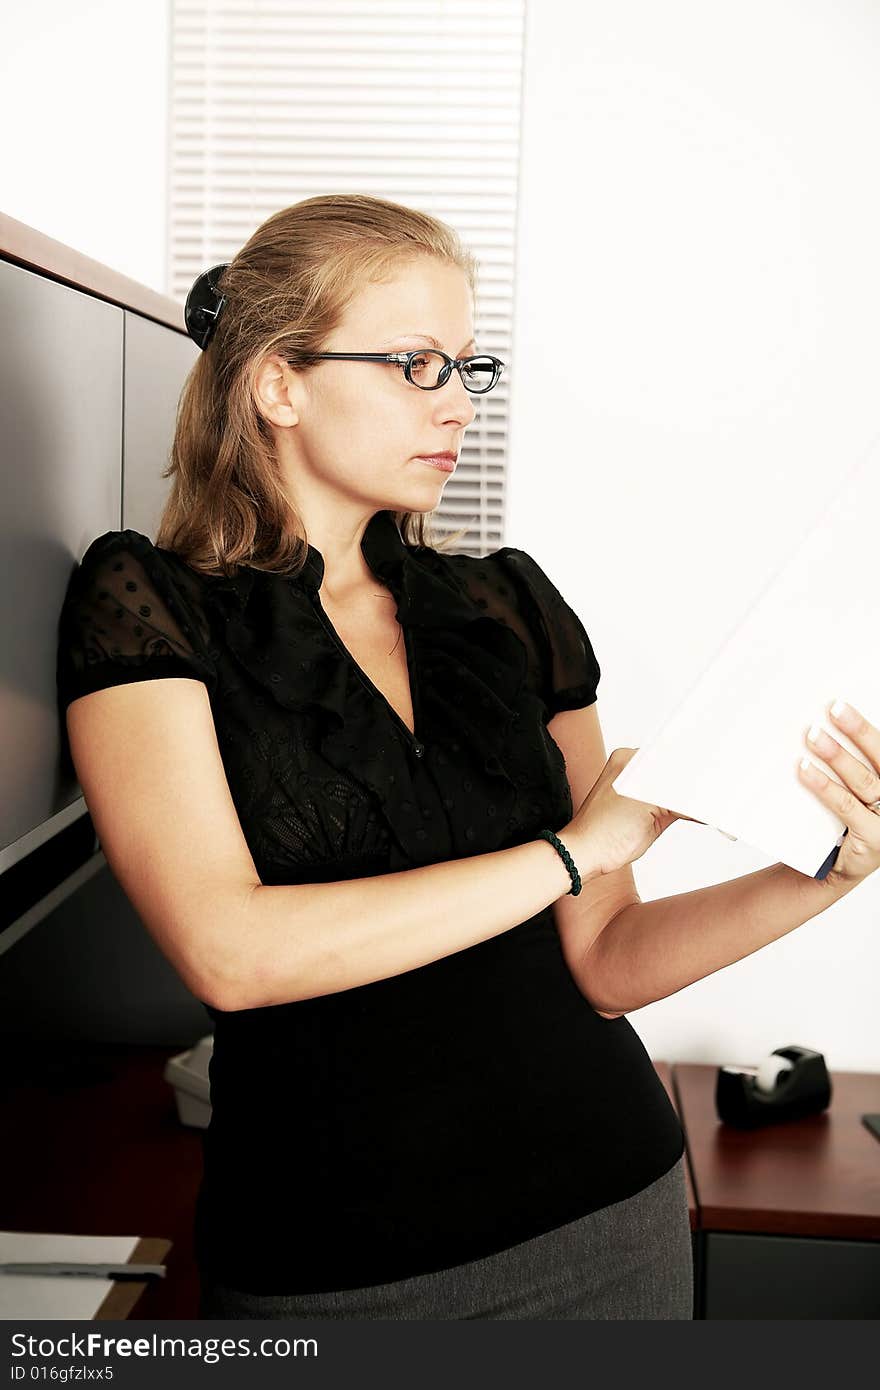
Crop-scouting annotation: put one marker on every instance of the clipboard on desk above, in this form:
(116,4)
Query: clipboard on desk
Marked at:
(728,754)
(37,1296)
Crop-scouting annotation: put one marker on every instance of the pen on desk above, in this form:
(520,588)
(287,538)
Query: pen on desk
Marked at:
(96,1271)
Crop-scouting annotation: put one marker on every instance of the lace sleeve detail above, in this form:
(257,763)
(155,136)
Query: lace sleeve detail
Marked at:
(124,620)
(566,671)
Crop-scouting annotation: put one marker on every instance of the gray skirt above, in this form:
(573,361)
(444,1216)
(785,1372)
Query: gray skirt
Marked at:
(630,1260)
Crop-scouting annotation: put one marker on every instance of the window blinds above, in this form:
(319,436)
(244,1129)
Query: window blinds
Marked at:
(272,102)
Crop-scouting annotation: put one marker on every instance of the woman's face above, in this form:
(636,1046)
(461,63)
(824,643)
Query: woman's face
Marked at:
(361,426)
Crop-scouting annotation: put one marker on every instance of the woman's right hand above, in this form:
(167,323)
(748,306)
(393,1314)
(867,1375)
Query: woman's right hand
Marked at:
(609,830)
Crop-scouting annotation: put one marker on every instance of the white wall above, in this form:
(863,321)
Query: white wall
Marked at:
(696,357)
(83,110)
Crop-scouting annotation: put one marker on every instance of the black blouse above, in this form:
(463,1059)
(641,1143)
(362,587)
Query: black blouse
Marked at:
(445,1113)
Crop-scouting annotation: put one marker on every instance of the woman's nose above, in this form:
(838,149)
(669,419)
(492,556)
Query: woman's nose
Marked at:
(454,400)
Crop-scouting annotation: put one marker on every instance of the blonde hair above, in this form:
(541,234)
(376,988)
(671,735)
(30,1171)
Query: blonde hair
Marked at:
(286,289)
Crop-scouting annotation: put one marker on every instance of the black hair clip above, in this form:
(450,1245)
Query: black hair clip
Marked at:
(203,305)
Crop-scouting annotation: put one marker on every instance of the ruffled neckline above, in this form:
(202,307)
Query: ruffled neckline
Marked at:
(422,585)
(467,673)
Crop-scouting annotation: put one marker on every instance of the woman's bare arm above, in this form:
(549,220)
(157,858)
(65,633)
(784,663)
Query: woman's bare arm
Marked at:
(316,938)
(653,949)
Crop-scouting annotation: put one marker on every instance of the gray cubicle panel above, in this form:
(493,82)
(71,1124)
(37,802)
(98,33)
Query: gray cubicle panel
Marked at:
(157,361)
(61,375)
(88,400)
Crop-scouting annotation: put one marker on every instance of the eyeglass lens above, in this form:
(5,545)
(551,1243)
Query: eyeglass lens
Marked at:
(480,373)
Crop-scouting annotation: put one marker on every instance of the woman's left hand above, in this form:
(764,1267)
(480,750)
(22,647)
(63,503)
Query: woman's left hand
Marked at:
(859,854)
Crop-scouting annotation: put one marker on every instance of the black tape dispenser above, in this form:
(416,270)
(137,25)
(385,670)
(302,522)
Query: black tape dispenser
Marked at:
(791,1082)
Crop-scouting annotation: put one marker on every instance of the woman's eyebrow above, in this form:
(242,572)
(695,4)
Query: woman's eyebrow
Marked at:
(428,339)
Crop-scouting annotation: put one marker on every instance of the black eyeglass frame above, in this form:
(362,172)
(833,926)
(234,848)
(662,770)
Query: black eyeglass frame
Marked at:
(405,359)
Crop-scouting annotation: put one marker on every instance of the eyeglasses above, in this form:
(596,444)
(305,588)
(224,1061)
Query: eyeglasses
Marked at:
(429,370)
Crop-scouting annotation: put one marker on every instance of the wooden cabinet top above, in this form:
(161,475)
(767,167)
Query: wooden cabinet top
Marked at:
(25,246)
(818,1176)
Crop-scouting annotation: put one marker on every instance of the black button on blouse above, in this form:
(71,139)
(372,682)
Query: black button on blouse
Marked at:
(445,1113)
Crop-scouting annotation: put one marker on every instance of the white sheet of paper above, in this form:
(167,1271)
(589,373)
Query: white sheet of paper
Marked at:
(728,754)
(67,1296)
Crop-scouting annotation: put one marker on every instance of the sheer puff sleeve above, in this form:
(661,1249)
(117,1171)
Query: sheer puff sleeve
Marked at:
(124,620)
(565,671)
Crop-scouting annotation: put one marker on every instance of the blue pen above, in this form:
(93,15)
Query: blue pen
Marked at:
(832,858)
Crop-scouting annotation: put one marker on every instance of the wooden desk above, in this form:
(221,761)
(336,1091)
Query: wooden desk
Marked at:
(789,1214)
(94,1145)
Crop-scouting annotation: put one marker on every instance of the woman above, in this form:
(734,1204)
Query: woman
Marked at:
(339,825)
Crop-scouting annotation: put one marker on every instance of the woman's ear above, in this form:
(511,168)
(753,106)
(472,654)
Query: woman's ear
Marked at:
(276,391)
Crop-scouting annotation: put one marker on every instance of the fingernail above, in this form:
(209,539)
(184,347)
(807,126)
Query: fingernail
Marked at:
(818,736)
(840,709)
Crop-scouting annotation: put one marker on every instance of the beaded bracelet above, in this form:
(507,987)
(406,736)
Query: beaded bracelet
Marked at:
(554,840)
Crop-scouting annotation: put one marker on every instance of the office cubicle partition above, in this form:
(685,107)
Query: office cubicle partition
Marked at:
(91,369)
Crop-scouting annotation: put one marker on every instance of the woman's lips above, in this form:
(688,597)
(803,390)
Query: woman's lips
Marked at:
(445,462)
